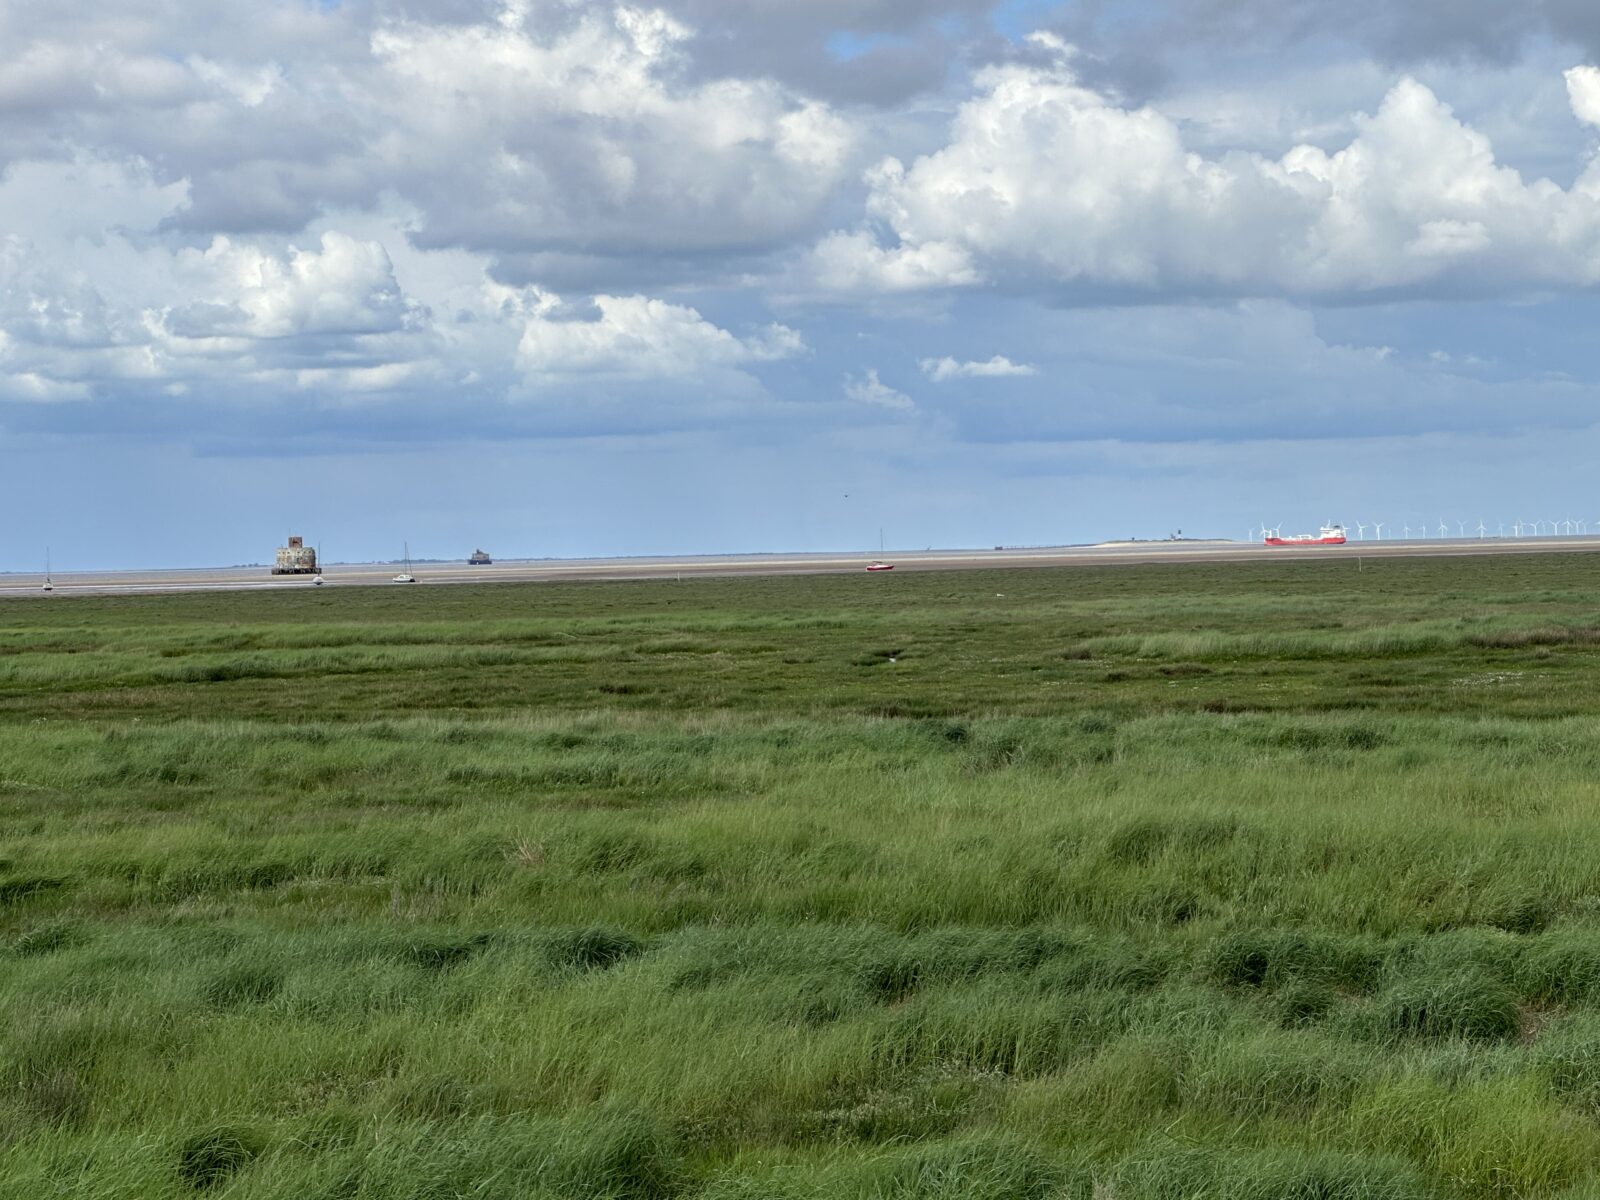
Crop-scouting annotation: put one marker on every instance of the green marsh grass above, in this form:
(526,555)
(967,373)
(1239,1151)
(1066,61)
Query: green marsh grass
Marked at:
(1267,881)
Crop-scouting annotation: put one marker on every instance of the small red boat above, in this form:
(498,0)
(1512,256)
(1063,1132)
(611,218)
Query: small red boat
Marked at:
(880,566)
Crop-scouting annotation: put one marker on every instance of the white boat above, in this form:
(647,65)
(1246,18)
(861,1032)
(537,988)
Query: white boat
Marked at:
(49,584)
(878,564)
(405,575)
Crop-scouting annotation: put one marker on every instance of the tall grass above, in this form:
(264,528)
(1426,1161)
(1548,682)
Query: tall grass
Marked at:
(1271,882)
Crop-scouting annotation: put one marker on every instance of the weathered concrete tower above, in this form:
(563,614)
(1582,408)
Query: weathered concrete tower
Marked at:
(296,558)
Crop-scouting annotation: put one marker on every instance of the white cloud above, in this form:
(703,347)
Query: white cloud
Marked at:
(642,338)
(1583,91)
(1045,183)
(940,370)
(59,207)
(573,129)
(250,86)
(324,313)
(544,129)
(869,389)
(29,387)
(345,286)
(848,262)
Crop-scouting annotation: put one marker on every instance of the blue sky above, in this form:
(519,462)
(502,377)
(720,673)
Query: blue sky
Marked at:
(562,278)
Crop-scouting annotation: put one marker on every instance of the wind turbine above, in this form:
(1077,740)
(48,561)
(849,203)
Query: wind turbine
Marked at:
(1377,530)
(1482,532)
(1461,529)
(1444,530)
(1361,532)
(1502,532)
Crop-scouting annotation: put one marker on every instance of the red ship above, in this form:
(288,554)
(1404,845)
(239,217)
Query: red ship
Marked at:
(1328,535)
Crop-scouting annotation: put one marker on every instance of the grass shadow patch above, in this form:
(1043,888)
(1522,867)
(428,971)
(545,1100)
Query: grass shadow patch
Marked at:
(442,953)
(214,1156)
(593,949)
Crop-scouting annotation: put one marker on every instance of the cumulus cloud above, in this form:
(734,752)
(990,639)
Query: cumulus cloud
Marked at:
(642,338)
(562,126)
(90,309)
(492,200)
(519,128)
(345,286)
(869,389)
(847,262)
(1583,91)
(1047,184)
(21,385)
(941,370)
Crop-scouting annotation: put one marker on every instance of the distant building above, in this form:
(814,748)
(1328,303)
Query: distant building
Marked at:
(296,558)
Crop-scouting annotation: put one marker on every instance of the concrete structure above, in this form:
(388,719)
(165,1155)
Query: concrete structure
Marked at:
(296,558)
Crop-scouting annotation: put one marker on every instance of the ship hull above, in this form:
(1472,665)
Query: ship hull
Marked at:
(1306,541)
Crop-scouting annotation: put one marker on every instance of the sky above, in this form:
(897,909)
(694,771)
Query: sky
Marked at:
(562,278)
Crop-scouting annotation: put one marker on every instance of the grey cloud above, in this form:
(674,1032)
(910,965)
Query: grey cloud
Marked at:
(59,312)
(252,198)
(204,319)
(790,41)
(1490,30)
(659,269)
(441,12)
(1135,49)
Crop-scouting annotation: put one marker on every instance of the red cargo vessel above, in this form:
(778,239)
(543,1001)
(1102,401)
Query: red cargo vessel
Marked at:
(1328,535)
